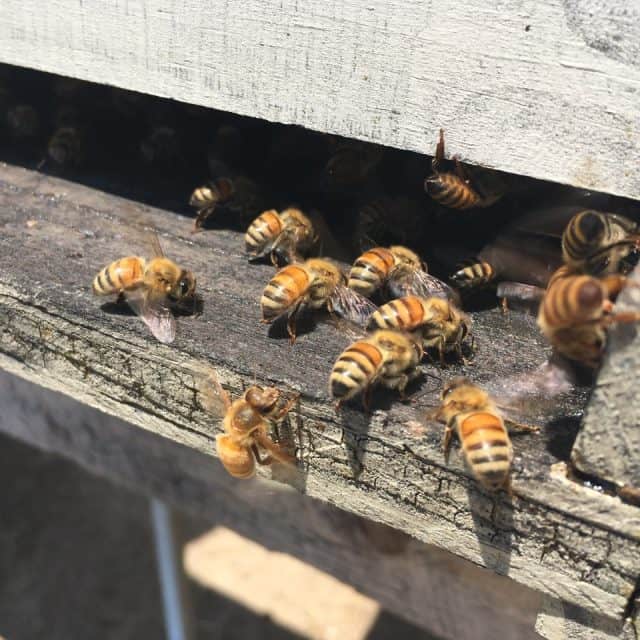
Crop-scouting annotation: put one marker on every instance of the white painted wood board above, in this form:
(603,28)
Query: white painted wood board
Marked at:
(548,89)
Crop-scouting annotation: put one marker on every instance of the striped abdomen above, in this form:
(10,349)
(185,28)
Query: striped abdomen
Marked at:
(404,314)
(284,290)
(262,231)
(473,274)
(487,448)
(452,191)
(370,270)
(596,242)
(571,300)
(237,458)
(355,370)
(119,275)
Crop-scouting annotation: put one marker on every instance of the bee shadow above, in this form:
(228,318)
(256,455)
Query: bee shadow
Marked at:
(192,306)
(288,434)
(117,308)
(562,434)
(356,420)
(305,323)
(492,516)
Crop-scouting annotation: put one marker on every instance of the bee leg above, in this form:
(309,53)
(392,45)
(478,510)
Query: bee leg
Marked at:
(287,407)
(366,399)
(517,427)
(291,323)
(439,156)
(276,451)
(267,460)
(121,297)
(460,172)
(623,316)
(201,218)
(504,304)
(506,487)
(446,442)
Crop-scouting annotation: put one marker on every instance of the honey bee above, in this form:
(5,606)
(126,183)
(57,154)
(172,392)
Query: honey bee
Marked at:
(162,148)
(247,422)
(66,146)
(389,358)
(312,284)
(600,243)
(455,190)
(287,234)
(207,197)
(469,411)
(23,121)
(150,287)
(398,269)
(389,220)
(442,326)
(352,162)
(576,311)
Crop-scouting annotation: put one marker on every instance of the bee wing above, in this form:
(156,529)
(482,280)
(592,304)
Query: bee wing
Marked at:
(154,241)
(534,391)
(351,305)
(421,283)
(154,312)
(213,398)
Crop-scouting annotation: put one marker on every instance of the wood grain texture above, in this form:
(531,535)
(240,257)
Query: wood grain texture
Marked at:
(382,562)
(608,445)
(545,89)
(554,536)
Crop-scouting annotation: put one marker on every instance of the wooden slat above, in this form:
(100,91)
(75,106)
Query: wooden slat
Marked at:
(379,561)
(554,536)
(546,89)
(608,445)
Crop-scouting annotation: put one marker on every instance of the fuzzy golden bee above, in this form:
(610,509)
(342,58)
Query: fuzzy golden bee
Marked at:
(576,311)
(455,190)
(599,243)
(399,270)
(472,414)
(287,235)
(206,198)
(247,423)
(312,284)
(150,287)
(389,358)
(442,326)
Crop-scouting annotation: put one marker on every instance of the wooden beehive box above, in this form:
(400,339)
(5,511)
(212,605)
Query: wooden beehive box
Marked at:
(547,90)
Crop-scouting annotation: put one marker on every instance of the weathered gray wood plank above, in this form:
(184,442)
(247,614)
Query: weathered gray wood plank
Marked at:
(554,536)
(608,445)
(546,89)
(381,562)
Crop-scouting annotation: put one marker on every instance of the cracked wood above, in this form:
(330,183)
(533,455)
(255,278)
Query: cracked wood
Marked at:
(555,536)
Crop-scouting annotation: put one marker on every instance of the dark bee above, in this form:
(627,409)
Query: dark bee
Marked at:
(455,190)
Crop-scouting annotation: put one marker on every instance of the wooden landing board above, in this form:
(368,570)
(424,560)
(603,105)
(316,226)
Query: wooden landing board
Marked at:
(545,89)
(554,536)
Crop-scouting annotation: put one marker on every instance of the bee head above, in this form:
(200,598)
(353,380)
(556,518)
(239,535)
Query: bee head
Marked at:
(185,286)
(453,384)
(263,400)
